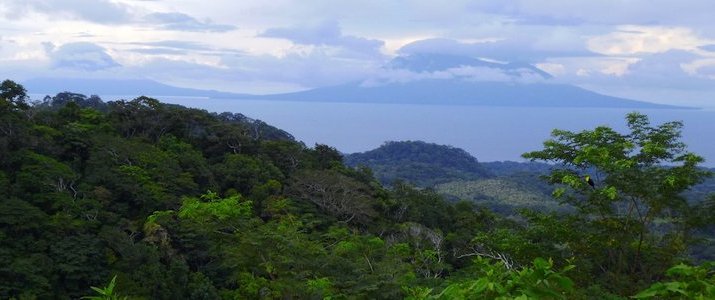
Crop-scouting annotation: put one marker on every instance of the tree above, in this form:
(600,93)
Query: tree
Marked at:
(687,282)
(637,219)
(538,281)
(13,93)
(340,196)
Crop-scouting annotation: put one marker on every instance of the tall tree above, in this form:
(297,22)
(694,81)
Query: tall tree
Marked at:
(635,214)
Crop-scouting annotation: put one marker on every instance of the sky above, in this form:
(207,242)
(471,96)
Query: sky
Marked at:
(653,50)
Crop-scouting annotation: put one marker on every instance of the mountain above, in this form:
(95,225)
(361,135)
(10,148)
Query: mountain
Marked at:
(411,79)
(420,163)
(457,92)
(432,62)
(120,87)
(460,80)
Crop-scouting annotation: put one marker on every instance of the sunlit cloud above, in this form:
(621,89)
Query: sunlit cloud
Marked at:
(259,45)
(629,40)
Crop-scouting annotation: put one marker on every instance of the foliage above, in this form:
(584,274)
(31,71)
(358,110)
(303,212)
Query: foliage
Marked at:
(106,293)
(502,195)
(419,163)
(689,282)
(633,194)
(180,203)
(494,281)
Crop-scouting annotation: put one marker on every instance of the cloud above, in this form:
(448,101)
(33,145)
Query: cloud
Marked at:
(183,22)
(707,70)
(97,11)
(512,49)
(176,44)
(465,73)
(310,69)
(180,47)
(81,56)
(629,40)
(159,51)
(169,47)
(604,12)
(710,47)
(673,77)
(110,12)
(327,33)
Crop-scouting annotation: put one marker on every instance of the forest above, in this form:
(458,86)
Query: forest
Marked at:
(137,199)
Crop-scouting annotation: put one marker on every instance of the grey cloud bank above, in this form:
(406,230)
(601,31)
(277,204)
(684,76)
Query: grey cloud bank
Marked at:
(246,46)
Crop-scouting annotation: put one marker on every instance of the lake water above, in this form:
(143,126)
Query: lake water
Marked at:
(488,133)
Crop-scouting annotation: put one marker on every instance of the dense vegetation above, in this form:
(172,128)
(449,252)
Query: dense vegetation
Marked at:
(503,187)
(153,201)
(420,163)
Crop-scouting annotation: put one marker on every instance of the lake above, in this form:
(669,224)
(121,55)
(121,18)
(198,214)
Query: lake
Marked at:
(488,133)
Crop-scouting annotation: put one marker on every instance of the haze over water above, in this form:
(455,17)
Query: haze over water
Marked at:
(488,133)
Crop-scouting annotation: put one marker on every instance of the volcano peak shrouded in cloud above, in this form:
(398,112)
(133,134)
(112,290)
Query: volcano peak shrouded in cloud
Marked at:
(80,56)
(637,49)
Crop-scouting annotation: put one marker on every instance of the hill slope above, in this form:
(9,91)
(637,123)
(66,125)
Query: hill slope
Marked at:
(454,173)
(420,163)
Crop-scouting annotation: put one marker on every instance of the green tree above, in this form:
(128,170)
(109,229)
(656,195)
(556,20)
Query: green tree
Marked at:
(495,281)
(636,219)
(14,93)
(687,282)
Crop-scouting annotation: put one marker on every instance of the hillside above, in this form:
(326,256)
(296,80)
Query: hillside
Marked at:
(420,163)
(179,203)
(452,172)
(502,195)
(146,200)
(456,174)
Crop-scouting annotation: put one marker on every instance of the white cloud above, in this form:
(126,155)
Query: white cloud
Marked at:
(98,11)
(527,49)
(702,67)
(610,12)
(81,56)
(224,44)
(630,40)
(326,33)
(183,22)
(465,73)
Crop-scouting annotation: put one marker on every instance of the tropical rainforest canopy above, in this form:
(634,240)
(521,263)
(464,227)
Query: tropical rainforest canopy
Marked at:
(146,200)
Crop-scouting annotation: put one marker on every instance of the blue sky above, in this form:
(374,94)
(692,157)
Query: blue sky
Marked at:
(655,50)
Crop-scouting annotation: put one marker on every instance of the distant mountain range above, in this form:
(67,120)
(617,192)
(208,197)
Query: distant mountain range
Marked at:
(415,79)
(452,92)
(117,87)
